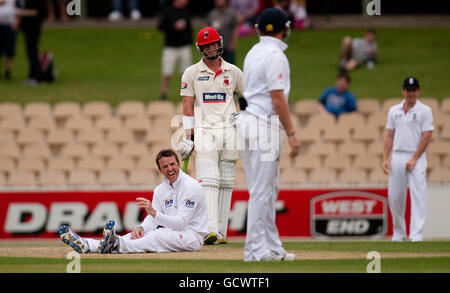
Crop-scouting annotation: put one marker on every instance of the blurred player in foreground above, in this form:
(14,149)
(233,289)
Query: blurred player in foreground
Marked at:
(177,219)
(209,111)
(267,86)
(408,133)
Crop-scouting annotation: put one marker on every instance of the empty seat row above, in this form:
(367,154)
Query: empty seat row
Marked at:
(367,106)
(93,110)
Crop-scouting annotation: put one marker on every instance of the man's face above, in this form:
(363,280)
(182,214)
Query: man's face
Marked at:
(369,37)
(180,4)
(342,84)
(221,3)
(210,50)
(411,94)
(170,168)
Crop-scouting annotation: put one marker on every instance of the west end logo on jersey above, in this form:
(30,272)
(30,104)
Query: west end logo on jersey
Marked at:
(214,97)
(189,203)
(348,213)
(168,202)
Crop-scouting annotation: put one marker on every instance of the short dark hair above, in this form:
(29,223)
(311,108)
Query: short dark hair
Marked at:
(166,153)
(343,74)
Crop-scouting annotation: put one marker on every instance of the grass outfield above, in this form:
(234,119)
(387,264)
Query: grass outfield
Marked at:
(114,64)
(417,262)
(393,265)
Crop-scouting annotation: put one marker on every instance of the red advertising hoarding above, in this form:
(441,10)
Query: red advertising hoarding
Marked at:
(300,213)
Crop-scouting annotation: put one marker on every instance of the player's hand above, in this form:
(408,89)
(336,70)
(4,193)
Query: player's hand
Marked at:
(137,233)
(410,165)
(386,167)
(295,146)
(146,205)
(185,148)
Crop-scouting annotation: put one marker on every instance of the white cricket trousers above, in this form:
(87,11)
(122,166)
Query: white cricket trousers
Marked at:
(399,178)
(262,178)
(157,240)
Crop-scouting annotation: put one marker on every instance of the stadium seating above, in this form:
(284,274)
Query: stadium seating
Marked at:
(95,110)
(63,111)
(95,145)
(368,106)
(52,179)
(22,179)
(445,106)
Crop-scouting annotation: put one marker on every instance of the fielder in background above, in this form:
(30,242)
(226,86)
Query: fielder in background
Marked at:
(408,133)
(177,218)
(267,86)
(209,111)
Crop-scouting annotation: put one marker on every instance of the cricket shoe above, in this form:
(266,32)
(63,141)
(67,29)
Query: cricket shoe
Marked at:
(288,256)
(221,239)
(110,240)
(210,238)
(73,239)
(272,256)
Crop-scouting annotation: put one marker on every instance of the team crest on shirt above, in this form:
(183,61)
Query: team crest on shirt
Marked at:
(189,203)
(226,81)
(167,202)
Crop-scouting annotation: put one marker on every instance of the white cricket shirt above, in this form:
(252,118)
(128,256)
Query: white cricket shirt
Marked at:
(180,206)
(213,92)
(266,68)
(409,126)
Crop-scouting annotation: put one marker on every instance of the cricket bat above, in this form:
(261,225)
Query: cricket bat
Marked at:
(185,164)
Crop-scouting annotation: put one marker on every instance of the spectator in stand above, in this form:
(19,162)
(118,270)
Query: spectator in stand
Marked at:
(61,6)
(359,51)
(117,12)
(8,27)
(175,23)
(32,14)
(285,5)
(246,11)
(298,9)
(338,99)
(224,20)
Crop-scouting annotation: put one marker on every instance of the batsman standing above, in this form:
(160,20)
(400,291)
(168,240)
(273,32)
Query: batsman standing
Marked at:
(209,111)
(408,133)
(267,86)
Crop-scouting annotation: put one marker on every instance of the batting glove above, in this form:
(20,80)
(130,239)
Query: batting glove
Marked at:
(185,148)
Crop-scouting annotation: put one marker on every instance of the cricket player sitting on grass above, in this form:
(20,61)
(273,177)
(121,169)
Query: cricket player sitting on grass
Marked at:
(177,219)
(207,89)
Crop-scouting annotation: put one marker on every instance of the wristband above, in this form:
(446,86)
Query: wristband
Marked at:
(188,122)
(291,134)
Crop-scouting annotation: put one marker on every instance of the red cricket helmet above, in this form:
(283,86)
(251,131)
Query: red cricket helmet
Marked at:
(209,35)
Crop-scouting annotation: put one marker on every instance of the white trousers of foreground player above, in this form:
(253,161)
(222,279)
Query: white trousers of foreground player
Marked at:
(399,179)
(157,240)
(262,178)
